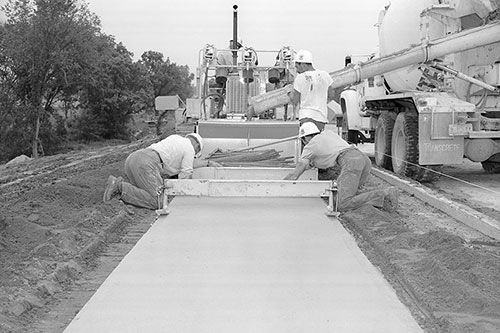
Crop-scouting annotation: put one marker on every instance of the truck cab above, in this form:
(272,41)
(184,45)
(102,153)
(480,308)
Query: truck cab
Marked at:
(436,99)
(357,120)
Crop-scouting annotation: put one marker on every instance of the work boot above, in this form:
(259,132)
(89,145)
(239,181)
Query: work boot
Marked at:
(113,188)
(391,199)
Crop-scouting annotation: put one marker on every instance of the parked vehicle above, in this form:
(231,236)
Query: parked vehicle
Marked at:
(431,97)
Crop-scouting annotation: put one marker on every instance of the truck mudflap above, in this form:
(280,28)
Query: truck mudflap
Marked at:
(442,128)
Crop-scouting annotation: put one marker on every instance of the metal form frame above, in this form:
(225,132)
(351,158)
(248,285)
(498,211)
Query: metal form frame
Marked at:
(252,188)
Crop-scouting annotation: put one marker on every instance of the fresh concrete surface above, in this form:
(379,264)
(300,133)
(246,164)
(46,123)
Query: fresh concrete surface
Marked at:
(245,265)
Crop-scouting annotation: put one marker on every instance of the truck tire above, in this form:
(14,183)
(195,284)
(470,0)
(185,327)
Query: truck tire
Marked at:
(491,167)
(383,140)
(404,144)
(351,136)
(405,152)
(349,97)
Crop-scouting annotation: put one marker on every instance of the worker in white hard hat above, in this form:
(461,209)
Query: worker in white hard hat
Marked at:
(327,149)
(173,157)
(225,58)
(311,91)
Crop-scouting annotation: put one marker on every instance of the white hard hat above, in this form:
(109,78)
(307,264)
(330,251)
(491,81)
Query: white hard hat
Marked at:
(308,129)
(198,138)
(304,56)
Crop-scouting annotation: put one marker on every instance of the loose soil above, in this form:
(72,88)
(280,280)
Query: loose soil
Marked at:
(445,272)
(59,241)
(54,226)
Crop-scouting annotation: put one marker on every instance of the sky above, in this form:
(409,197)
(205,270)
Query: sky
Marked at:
(179,29)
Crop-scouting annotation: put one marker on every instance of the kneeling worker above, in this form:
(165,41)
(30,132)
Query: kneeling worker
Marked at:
(327,149)
(145,169)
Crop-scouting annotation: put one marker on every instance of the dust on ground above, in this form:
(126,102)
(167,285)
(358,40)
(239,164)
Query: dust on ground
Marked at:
(55,235)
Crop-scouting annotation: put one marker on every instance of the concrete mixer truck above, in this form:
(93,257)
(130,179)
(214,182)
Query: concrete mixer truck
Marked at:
(431,96)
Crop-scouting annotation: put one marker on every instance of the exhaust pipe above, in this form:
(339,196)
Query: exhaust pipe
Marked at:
(235,34)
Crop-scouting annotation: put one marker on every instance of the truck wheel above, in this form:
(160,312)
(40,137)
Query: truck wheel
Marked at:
(405,150)
(383,139)
(351,136)
(404,146)
(491,167)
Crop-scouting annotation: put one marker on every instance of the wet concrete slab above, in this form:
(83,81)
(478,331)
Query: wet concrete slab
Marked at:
(245,265)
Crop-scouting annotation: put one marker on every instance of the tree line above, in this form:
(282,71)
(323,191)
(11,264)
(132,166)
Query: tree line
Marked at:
(63,79)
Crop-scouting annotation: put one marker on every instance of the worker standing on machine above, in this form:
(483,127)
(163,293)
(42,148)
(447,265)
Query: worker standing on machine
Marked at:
(311,90)
(327,149)
(172,157)
(225,58)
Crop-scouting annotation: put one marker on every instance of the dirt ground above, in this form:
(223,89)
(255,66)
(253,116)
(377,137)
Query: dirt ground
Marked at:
(58,241)
(445,272)
(53,227)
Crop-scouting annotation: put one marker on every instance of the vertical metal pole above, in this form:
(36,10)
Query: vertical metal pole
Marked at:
(235,35)
(333,200)
(162,202)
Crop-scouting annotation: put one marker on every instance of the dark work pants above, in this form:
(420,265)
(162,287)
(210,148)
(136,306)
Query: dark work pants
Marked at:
(355,168)
(142,168)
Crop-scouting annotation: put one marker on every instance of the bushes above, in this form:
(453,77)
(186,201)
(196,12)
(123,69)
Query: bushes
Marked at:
(16,133)
(15,137)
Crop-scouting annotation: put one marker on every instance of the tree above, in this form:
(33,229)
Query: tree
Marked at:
(53,56)
(119,88)
(167,78)
(48,46)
